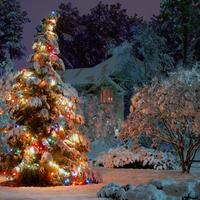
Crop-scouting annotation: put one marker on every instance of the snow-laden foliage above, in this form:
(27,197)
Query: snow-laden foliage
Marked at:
(7,80)
(128,72)
(6,119)
(155,189)
(169,111)
(11,21)
(182,18)
(151,48)
(6,123)
(83,40)
(136,158)
(100,120)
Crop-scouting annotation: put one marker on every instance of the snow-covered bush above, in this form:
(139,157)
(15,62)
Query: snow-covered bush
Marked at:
(7,80)
(6,123)
(169,111)
(100,120)
(136,158)
(6,119)
(165,189)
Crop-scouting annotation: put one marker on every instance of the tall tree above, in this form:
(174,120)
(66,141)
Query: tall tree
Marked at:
(11,21)
(47,149)
(169,111)
(84,39)
(185,18)
(149,47)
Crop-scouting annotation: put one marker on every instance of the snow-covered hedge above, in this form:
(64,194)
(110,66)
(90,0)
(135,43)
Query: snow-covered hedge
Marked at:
(166,189)
(136,158)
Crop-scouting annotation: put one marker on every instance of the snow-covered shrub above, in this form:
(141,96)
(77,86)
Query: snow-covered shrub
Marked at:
(6,121)
(100,120)
(168,111)
(165,189)
(132,157)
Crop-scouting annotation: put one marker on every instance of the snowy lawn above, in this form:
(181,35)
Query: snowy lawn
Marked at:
(121,176)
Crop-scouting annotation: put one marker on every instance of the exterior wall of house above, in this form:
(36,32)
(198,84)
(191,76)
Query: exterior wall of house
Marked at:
(117,97)
(117,101)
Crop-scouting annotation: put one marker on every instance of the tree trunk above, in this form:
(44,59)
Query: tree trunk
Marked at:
(10,52)
(181,156)
(185,44)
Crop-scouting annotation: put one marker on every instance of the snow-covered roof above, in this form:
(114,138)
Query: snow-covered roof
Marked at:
(92,75)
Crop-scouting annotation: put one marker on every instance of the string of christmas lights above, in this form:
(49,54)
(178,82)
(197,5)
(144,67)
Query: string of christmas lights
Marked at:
(45,146)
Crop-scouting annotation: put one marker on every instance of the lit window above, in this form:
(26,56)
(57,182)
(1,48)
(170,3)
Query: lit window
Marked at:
(106,96)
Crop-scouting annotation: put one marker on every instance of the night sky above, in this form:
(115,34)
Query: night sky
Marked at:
(38,9)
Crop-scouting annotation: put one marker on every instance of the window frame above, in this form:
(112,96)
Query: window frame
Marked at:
(109,96)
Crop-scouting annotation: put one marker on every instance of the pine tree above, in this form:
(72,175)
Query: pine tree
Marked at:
(11,21)
(47,149)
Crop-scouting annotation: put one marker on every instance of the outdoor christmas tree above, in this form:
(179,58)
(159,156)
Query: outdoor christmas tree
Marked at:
(47,149)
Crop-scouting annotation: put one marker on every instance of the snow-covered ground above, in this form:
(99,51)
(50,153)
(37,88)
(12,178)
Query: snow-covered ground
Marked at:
(86,192)
(121,176)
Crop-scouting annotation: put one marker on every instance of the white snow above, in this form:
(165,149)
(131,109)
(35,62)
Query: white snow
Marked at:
(121,176)
(121,156)
(155,189)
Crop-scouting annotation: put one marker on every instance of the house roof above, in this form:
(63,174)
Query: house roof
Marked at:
(92,75)
(106,78)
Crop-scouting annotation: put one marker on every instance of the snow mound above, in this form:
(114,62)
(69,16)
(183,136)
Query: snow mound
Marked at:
(136,158)
(165,189)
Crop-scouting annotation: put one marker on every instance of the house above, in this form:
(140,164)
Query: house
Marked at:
(102,80)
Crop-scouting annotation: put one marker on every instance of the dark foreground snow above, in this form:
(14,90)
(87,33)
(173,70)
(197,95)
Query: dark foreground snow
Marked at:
(155,189)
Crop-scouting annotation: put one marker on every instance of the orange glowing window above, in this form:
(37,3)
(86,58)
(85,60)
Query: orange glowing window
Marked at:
(106,96)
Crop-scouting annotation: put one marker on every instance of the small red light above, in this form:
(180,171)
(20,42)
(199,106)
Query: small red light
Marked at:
(4,173)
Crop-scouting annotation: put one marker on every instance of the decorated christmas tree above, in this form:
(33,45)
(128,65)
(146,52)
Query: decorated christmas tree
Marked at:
(46,148)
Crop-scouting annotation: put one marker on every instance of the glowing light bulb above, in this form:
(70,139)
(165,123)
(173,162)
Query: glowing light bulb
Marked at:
(32,151)
(43,83)
(61,128)
(75,137)
(67,180)
(50,27)
(53,20)
(53,134)
(27,74)
(17,168)
(53,82)
(14,174)
(43,47)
